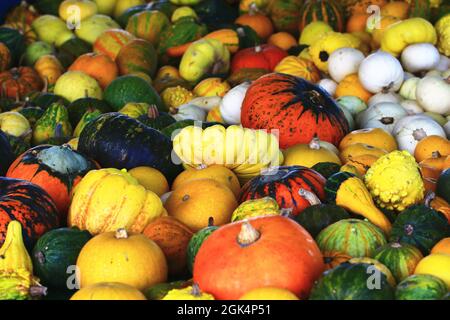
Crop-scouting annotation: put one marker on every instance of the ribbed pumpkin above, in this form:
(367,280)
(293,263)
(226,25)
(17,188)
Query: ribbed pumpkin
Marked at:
(283,184)
(30,205)
(297,108)
(5,57)
(99,66)
(356,238)
(328,11)
(20,81)
(49,68)
(14,40)
(55,169)
(211,87)
(229,262)
(111,41)
(148,25)
(285,14)
(107,199)
(108,291)
(137,56)
(298,67)
(421,287)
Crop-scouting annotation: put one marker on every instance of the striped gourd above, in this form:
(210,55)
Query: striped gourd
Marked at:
(328,11)
(421,287)
(148,25)
(228,37)
(356,238)
(25,29)
(285,14)
(111,41)
(419,8)
(401,259)
(298,67)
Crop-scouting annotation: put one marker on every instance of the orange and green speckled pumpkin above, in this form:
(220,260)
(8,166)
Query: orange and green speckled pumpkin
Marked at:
(56,169)
(148,25)
(329,11)
(137,56)
(30,205)
(111,41)
(297,108)
(285,14)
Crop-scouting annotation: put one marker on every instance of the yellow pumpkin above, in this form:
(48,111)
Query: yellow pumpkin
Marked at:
(108,199)
(359,149)
(377,33)
(183,12)
(269,293)
(375,137)
(400,35)
(189,293)
(313,31)
(436,264)
(49,68)
(298,67)
(135,109)
(83,9)
(211,87)
(122,6)
(108,291)
(15,124)
(151,179)
(167,72)
(256,208)
(443,32)
(132,259)
(309,154)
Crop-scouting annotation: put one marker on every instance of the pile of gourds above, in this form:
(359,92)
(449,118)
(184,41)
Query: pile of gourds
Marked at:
(225,149)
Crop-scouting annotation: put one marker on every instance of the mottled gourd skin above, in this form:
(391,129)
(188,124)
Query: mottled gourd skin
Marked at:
(255,208)
(394,181)
(188,293)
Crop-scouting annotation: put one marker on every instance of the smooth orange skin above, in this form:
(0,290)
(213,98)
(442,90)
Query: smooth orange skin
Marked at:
(442,246)
(99,66)
(285,256)
(351,86)
(430,144)
(282,40)
(258,22)
(357,22)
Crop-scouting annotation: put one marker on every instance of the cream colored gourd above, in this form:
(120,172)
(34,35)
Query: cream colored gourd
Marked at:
(433,94)
(408,88)
(230,106)
(420,57)
(188,111)
(343,62)
(308,155)
(14,124)
(411,107)
(382,115)
(383,97)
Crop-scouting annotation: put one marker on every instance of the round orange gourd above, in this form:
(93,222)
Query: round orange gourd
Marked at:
(430,144)
(298,67)
(111,41)
(397,9)
(437,161)
(257,21)
(359,149)
(351,86)
(308,155)
(357,22)
(151,178)
(49,68)
(216,172)
(99,66)
(283,40)
(108,291)
(194,202)
(131,259)
(375,137)
(442,246)
(362,163)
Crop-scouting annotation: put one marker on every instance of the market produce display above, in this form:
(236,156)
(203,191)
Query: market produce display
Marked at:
(225,150)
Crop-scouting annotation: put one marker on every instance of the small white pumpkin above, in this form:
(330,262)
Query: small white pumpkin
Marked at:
(353,104)
(328,85)
(380,71)
(343,62)
(230,106)
(411,106)
(434,73)
(384,97)
(433,94)
(188,112)
(420,57)
(206,103)
(383,115)
(408,89)
(411,129)
(348,116)
(444,63)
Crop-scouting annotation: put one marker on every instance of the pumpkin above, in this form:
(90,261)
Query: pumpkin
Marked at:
(326,169)
(269,293)
(375,137)
(30,205)
(298,67)
(52,29)
(377,32)
(353,281)
(196,242)
(14,40)
(264,56)
(401,259)
(93,26)
(13,253)
(282,40)
(283,184)
(108,291)
(88,116)
(230,105)
(53,125)
(15,124)
(5,57)
(84,8)
(131,259)
(123,5)
(55,252)
(279,101)
(360,149)
(227,268)
(99,66)
(437,265)
(74,85)
(172,237)
(91,209)
(313,31)
(55,169)
(111,41)
(309,154)
(148,25)
(384,97)
(429,145)
(211,87)
(344,62)
(18,82)
(397,9)
(432,94)
(442,27)
(79,107)
(360,6)
(357,23)
(189,293)
(384,115)
(174,97)
(49,68)
(256,208)
(421,287)
(442,246)
(258,22)
(328,11)
(160,290)
(420,57)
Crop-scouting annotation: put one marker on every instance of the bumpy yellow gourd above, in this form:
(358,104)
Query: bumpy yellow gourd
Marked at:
(174,97)
(19,284)
(402,34)
(443,31)
(188,293)
(394,181)
(13,254)
(256,208)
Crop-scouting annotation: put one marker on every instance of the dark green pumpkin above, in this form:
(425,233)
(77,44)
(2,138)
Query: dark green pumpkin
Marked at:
(127,14)
(333,183)
(327,169)
(47,6)
(216,14)
(160,290)
(32,114)
(421,287)
(15,41)
(285,14)
(72,49)
(248,37)
(195,243)
(79,107)
(419,8)
(18,145)
(45,99)
(421,227)
(7,154)
(329,11)
(165,6)
(54,252)
(401,259)
(349,281)
(317,217)
(443,185)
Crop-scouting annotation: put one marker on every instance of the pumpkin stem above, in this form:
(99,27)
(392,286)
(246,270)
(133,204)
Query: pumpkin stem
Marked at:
(315,143)
(45,89)
(436,154)
(253,9)
(152,112)
(248,234)
(258,49)
(419,134)
(387,120)
(196,292)
(240,31)
(428,198)
(38,291)
(309,196)
(121,233)
(211,222)
(388,87)
(286,212)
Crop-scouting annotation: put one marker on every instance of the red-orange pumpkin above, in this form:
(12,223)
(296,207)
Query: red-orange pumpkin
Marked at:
(265,56)
(300,110)
(270,251)
(99,66)
(19,82)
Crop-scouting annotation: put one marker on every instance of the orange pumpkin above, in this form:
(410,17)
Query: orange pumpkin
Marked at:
(360,6)
(357,22)
(111,41)
(429,176)
(5,57)
(258,22)
(235,258)
(99,66)
(172,237)
(362,163)
(334,258)
(438,204)
(375,137)
(283,40)
(430,144)
(49,68)
(442,246)
(397,9)
(351,86)
(437,161)
(17,82)
(359,149)
(298,67)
